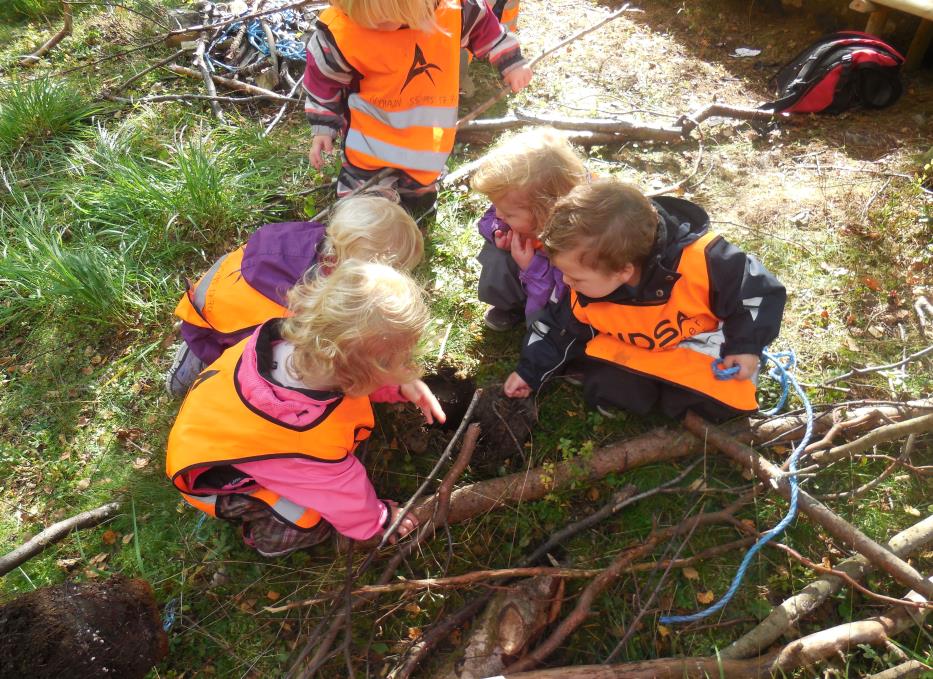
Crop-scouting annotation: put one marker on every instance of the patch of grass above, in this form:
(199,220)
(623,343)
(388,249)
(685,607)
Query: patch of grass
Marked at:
(37,111)
(29,9)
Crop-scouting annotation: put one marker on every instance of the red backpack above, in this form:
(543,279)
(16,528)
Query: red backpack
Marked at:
(837,72)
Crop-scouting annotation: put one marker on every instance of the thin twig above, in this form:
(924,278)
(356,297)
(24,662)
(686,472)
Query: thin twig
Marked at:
(155,98)
(278,116)
(877,368)
(200,62)
(129,81)
(864,488)
(683,182)
(229,83)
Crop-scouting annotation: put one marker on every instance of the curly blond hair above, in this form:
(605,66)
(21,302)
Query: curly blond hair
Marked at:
(609,222)
(539,164)
(371,227)
(368,13)
(358,328)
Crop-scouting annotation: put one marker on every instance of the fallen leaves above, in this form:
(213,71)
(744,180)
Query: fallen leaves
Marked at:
(706,597)
(109,537)
(691,573)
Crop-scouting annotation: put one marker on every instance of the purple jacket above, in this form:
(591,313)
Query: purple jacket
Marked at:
(541,281)
(275,257)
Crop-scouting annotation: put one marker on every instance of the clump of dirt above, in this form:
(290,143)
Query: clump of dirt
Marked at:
(506,424)
(106,629)
(453,392)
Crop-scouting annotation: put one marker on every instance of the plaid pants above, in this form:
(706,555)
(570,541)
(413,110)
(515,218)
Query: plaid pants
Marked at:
(264,531)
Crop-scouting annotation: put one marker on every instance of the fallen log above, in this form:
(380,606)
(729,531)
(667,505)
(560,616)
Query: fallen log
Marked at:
(835,525)
(786,615)
(602,129)
(55,533)
(804,652)
(49,44)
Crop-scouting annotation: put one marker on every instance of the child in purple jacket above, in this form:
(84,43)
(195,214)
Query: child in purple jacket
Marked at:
(523,177)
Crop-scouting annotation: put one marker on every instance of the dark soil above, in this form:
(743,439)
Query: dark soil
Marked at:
(506,425)
(106,629)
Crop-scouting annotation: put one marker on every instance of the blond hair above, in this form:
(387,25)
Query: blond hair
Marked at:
(610,222)
(539,164)
(373,228)
(417,14)
(357,328)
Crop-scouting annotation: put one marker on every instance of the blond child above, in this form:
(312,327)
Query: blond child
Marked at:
(385,75)
(655,298)
(293,400)
(523,177)
(248,286)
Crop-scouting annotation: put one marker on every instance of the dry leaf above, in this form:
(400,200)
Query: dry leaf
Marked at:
(99,558)
(706,597)
(83,484)
(691,573)
(913,511)
(826,563)
(413,608)
(592,494)
(272,595)
(876,331)
(663,631)
(247,605)
(414,633)
(67,564)
(109,537)
(128,538)
(140,462)
(871,283)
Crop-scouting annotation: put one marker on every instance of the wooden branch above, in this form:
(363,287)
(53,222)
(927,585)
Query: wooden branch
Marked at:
(889,432)
(774,429)
(54,40)
(690,122)
(683,182)
(480,497)
(502,93)
(244,17)
(206,76)
(831,522)
(839,427)
(229,83)
(783,617)
(804,652)
(911,668)
(55,533)
(155,98)
(848,579)
(284,107)
(457,581)
(876,368)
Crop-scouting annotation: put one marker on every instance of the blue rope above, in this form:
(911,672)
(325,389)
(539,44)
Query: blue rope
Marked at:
(168,616)
(780,372)
(285,25)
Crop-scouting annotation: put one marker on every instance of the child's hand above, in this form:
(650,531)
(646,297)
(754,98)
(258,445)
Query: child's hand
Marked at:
(320,142)
(518,78)
(408,524)
(516,387)
(522,251)
(748,364)
(503,239)
(418,393)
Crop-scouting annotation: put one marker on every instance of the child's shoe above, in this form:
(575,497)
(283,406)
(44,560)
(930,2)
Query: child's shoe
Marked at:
(184,371)
(502,320)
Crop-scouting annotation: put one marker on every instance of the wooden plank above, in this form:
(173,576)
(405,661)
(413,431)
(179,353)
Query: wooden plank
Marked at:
(919,45)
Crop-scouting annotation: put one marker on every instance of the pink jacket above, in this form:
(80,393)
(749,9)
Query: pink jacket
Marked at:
(339,491)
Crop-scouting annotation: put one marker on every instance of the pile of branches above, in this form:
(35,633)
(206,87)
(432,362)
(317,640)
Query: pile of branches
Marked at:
(519,624)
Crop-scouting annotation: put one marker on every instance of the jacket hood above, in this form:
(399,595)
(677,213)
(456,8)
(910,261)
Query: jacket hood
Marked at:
(680,223)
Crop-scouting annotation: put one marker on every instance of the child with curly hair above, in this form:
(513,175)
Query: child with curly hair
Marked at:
(266,437)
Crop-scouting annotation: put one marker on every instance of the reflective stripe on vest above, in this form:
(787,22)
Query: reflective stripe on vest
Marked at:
(302,518)
(675,341)
(224,301)
(405,113)
(215,426)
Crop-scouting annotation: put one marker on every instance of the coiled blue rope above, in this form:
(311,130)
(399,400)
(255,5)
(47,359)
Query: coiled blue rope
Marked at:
(780,372)
(285,25)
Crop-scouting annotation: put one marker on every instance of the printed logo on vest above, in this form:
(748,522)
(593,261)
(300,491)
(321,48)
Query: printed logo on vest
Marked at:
(202,378)
(419,66)
(665,333)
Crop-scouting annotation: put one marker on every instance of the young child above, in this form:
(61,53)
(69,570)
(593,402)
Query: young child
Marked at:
(655,298)
(266,435)
(523,177)
(248,286)
(385,74)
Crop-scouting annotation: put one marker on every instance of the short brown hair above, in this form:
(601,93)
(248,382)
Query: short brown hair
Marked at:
(613,222)
(540,164)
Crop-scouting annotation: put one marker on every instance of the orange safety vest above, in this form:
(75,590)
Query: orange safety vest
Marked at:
(675,340)
(509,17)
(405,113)
(216,426)
(223,301)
